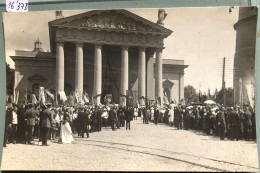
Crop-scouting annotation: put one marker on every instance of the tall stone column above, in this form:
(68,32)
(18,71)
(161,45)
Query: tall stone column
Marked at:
(158,74)
(59,67)
(79,68)
(124,73)
(141,73)
(98,74)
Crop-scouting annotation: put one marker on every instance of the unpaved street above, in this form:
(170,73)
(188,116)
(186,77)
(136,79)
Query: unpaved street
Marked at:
(143,148)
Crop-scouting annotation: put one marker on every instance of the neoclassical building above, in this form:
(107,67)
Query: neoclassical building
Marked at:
(101,52)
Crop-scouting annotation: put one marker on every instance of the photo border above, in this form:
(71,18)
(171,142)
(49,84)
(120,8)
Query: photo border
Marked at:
(46,5)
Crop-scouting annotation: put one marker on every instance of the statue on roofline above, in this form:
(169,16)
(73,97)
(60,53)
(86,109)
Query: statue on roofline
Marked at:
(161,16)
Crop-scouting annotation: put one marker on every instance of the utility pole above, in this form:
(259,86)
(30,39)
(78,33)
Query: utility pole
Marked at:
(223,82)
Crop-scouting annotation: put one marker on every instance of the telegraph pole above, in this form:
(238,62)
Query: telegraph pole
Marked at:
(223,82)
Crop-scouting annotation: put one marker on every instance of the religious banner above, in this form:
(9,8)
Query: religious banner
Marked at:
(63,96)
(86,97)
(41,96)
(25,97)
(108,98)
(49,94)
(77,96)
(142,102)
(34,99)
(131,97)
(250,95)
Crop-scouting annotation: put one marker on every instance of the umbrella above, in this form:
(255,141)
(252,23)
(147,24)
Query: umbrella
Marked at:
(209,102)
(197,103)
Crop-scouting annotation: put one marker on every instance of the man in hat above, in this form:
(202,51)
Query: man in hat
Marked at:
(234,122)
(99,119)
(221,123)
(112,116)
(8,123)
(46,123)
(248,124)
(30,116)
(128,118)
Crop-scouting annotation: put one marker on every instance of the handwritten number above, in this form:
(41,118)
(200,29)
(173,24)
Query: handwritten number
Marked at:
(26,5)
(12,5)
(18,7)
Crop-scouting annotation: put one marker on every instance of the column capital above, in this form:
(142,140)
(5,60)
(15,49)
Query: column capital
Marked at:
(79,44)
(124,47)
(160,49)
(151,52)
(142,49)
(98,46)
(60,43)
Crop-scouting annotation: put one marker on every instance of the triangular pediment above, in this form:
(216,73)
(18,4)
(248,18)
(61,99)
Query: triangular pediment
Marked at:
(121,20)
(36,77)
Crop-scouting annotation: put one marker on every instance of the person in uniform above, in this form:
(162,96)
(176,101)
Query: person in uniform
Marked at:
(248,124)
(46,124)
(112,116)
(156,115)
(128,118)
(234,122)
(8,123)
(30,116)
(99,119)
(122,117)
(221,123)
(21,124)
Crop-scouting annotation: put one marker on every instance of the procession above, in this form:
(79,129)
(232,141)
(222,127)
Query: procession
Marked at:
(48,122)
(131,90)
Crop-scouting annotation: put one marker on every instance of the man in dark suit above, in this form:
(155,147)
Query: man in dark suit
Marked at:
(221,123)
(99,119)
(8,123)
(112,117)
(30,116)
(128,118)
(122,116)
(46,124)
(234,122)
(248,124)
(156,115)
(144,115)
(83,122)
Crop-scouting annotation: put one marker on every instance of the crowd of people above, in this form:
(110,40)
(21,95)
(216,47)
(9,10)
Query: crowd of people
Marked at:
(24,123)
(226,122)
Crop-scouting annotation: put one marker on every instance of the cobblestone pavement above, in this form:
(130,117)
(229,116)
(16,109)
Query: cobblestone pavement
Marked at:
(143,148)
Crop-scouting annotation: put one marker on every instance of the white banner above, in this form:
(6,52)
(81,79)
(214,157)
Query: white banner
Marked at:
(62,96)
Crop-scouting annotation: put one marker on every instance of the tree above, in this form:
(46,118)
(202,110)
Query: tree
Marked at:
(190,94)
(9,79)
(229,97)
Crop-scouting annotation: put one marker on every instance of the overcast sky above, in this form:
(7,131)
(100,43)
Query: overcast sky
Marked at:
(201,37)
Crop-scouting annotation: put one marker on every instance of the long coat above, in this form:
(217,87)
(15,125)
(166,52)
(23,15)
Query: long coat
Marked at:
(248,118)
(30,115)
(128,115)
(46,118)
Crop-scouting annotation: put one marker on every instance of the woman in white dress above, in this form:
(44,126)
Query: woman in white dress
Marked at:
(152,114)
(135,113)
(171,116)
(66,132)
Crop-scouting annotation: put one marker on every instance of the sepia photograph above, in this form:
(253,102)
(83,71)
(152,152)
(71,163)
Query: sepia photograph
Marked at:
(152,89)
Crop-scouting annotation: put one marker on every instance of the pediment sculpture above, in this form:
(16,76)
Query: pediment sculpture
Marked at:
(111,20)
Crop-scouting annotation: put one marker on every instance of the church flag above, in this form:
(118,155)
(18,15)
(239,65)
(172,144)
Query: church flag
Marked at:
(34,99)
(63,96)
(41,95)
(49,94)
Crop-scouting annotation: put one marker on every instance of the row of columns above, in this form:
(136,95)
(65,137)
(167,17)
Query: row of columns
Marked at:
(97,85)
